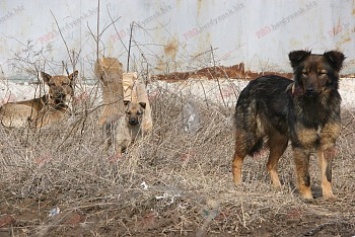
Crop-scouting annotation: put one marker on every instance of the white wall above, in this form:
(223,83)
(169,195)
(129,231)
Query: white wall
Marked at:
(174,35)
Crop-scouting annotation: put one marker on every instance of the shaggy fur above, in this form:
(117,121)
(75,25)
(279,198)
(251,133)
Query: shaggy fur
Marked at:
(305,111)
(129,127)
(135,91)
(110,73)
(42,111)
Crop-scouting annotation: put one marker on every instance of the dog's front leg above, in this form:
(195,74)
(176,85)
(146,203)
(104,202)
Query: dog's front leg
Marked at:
(301,158)
(325,162)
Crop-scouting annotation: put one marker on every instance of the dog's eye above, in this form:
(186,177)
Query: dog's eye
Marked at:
(322,73)
(139,113)
(304,74)
(128,112)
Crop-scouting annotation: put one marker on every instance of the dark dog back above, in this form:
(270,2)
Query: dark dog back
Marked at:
(261,110)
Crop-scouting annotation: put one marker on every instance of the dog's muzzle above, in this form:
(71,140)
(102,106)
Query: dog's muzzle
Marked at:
(133,121)
(311,92)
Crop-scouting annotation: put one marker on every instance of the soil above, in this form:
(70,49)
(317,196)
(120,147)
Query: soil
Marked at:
(27,217)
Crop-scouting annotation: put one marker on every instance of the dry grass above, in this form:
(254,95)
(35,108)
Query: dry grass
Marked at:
(170,183)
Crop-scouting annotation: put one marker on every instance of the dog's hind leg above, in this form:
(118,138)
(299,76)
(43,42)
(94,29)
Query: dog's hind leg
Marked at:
(278,145)
(325,162)
(238,158)
(301,158)
(237,167)
(243,147)
(108,134)
(249,134)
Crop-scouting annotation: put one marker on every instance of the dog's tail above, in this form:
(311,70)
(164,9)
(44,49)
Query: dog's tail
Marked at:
(249,127)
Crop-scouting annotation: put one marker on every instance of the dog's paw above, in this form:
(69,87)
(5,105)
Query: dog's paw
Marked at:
(237,182)
(330,198)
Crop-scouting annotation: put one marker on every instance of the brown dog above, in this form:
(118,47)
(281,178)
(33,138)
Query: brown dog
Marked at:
(42,111)
(135,91)
(127,128)
(109,72)
(305,111)
(133,121)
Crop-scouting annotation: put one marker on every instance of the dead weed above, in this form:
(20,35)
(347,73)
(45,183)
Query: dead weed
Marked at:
(172,182)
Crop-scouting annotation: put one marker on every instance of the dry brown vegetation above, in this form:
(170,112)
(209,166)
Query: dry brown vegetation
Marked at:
(171,183)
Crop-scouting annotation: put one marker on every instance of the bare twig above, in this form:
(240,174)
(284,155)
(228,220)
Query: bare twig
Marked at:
(98,31)
(66,68)
(212,54)
(217,79)
(114,25)
(204,92)
(65,43)
(129,45)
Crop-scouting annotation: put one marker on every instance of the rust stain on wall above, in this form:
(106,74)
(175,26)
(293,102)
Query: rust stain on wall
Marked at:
(234,72)
(171,48)
(199,2)
(160,65)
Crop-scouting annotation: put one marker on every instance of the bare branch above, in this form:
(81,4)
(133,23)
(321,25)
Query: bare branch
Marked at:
(61,35)
(98,31)
(129,45)
(109,14)
(65,67)
(112,23)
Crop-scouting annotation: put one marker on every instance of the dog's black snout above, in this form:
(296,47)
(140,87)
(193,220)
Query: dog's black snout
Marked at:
(310,89)
(133,121)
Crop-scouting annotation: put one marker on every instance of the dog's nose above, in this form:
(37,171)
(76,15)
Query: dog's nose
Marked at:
(133,121)
(310,89)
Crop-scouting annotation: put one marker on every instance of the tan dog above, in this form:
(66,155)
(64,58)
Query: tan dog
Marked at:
(129,126)
(134,113)
(137,119)
(109,72)
(134,90)
(42,111)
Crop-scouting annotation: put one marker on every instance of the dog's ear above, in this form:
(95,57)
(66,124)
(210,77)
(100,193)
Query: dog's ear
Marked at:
(142,104)
(126,102)
(296,57)
(74,75)
(45,77)
(335,59)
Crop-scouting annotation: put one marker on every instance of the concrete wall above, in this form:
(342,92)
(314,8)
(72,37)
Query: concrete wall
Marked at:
(173,35)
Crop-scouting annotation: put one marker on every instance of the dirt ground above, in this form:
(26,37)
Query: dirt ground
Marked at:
(59,181)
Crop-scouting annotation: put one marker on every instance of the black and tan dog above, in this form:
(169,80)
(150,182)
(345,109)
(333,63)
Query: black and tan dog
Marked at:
(42,111)
(305,111)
